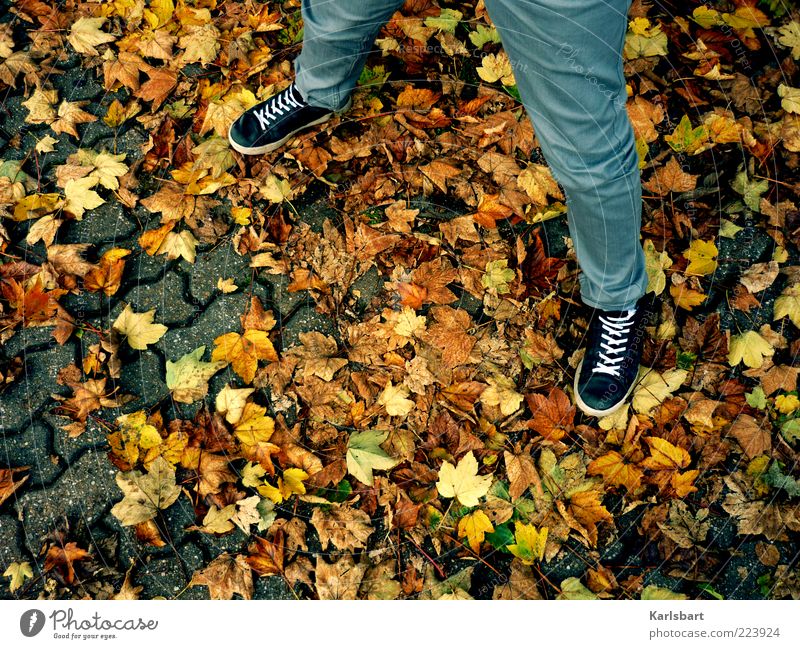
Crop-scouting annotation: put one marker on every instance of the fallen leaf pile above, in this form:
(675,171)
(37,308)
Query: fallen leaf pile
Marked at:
(430,445)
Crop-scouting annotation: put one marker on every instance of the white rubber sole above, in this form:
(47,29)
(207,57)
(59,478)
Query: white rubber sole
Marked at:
(272,146)
(593,411)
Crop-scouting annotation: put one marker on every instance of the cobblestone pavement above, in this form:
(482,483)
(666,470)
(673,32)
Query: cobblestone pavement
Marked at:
(71,481)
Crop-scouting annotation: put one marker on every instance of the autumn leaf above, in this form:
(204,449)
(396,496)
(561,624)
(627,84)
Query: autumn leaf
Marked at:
(85,34)
(393,398)
(670,177)
(530,543)
(7,484)
(664,455)
(225,576)
(475,526)
(145,494)
(553,415)
(616,471)
(19,573)
(231,402)
(701,256)
(502,392)
(107,275)
(654,387)
(244,351)
(139,328)
(364,455)
(462,481)
(750,348)
(187,378)
(80,196)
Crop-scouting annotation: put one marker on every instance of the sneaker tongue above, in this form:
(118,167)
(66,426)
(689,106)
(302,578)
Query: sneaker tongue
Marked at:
(296,94)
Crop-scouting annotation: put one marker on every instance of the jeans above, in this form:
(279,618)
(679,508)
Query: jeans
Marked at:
(567,61)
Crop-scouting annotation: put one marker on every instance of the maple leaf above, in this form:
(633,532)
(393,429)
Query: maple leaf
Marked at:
(553,415)
(70,115)
(254,429)
(701,257)
(537,181)
(393,398)
(139,328)
(214,470)
(85,34)
(145,494)
(653,388)
(664,455)
(244,351)
(788,304)
(530,543)
(686,297)
(339,580)
(753,436)
(475,526)
(496,67)
(41,106)
(63,558)
(364,455)
(7,484)
(670,177)
(226,575)
(462,481)
(19,573)
(231,402)
(187,378)
(616,471)
(266,557)
(655,263)
(107,275)
(750,348)
(521,474)
(502,392)
(347,528)
(179,244)
(81,197)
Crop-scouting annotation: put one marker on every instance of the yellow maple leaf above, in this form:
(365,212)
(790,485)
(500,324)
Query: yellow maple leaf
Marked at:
(788,303)
(475,526)
(254,426)
(653,388)
(686,297)
(616,471)
(664,455)
(394,399)
(496,67)
(244,351)
(139,328)
(231,402)
(85,34)
(81,197)
(462,481)
(502,392)
(530,543)
(655,264)
(701,256)
(750,347)
(41,106)
(683,483)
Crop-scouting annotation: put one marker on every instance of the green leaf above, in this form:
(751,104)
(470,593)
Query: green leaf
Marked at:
(775,478)
(657,592)
(790,430)
(756,399)
(364,455)
(750,190)
(501,537)
(446,21)
(19,573)
(684,137)
(572,588)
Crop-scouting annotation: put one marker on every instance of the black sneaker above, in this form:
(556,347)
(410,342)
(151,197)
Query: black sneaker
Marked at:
(269,124)
(607,373)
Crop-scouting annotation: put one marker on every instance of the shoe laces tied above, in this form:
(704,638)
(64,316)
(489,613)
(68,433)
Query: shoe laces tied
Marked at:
(282,102)
(613,330)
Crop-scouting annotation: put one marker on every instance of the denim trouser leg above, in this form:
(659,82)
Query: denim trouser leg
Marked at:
(337,38)
(567,62)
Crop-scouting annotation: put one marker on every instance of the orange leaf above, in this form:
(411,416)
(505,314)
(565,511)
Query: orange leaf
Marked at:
(616,471)
(244,351)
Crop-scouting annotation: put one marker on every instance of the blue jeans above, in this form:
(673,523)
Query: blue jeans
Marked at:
(567,61)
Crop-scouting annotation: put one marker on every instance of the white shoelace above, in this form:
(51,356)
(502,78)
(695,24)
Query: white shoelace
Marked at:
(613,331)
(283,102)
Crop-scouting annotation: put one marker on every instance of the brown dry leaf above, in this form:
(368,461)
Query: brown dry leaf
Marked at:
(616,471)
(553,415)
(62,558)
(70,114)
(243,351)
(338,580)
(521,474)
(670,177)
(266,556)
(347,528)
(644,116)
(521,584)
(753,436)
(7,484)
(158,87)
(226,575)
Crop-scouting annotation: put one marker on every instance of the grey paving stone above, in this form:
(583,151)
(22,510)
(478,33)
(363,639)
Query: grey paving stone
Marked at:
(83,492)
(144,268)
(369,285)
(271,587)
(166,296)
(34,448)
(219,317)
(10,550)
(219,262)
(32,391)
(108,223)
(143,374)
(70,448)
(26,338)
(306,318)
(284,301)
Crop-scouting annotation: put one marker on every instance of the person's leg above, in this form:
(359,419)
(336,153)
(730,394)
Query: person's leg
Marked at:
(567,61)
(337,37)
